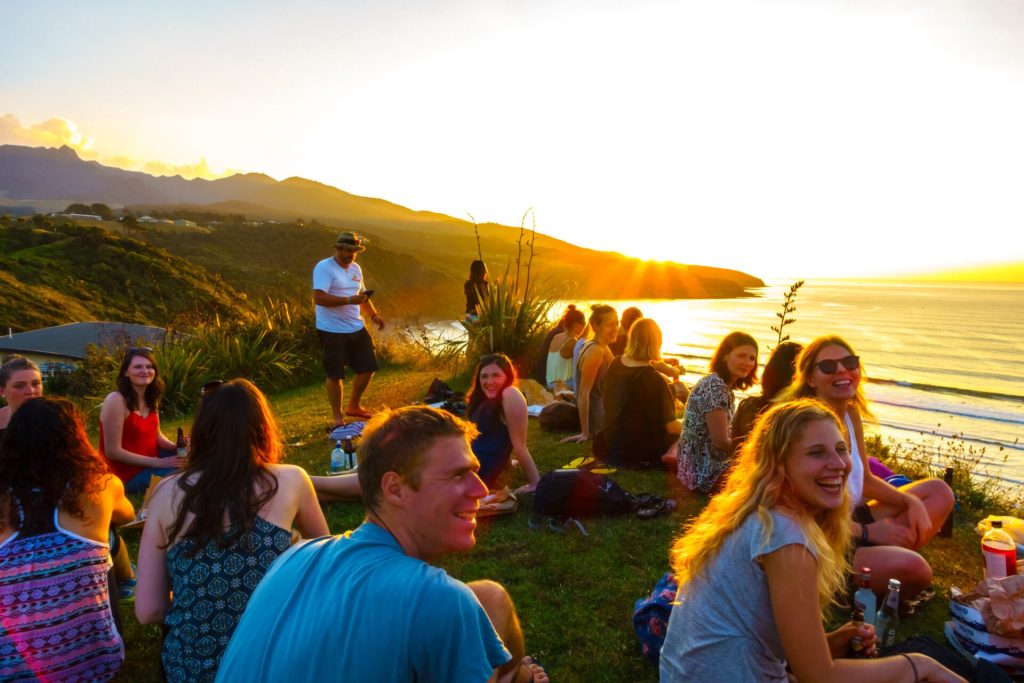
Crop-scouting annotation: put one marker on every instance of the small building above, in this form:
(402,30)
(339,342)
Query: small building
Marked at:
(61,347)
(185,223)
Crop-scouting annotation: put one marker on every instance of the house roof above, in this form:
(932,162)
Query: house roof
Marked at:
(71,340)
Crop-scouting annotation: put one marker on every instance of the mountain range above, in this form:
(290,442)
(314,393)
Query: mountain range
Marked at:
(417,259)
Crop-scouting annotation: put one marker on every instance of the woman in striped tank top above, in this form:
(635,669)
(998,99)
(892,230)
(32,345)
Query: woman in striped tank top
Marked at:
(57,501)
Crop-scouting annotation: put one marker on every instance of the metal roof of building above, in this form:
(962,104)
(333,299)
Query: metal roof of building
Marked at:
(71,340)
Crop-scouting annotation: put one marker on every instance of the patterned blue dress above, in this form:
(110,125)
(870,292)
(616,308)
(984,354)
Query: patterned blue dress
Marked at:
(211,590)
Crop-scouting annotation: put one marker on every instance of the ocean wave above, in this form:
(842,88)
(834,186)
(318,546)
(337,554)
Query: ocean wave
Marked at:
(987,443)
(935,388)
(946,410)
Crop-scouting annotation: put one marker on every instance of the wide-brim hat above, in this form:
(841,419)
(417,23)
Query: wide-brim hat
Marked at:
(350,240)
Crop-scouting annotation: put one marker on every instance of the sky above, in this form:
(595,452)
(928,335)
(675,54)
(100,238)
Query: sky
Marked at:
(826,138)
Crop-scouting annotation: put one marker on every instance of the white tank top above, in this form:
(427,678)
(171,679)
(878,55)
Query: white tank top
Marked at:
(855,482)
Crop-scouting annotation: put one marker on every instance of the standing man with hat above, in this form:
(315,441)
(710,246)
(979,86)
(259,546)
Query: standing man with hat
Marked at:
(341,303)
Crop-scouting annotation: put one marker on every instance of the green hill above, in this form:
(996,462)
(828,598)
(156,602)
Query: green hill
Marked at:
(53,275)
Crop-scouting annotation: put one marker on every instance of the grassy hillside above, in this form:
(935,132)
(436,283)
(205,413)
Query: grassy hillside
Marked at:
(53,275)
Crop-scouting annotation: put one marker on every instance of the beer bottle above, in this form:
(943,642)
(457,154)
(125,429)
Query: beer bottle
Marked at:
(856,643)
(865,598)
(947,527)
(350,454)
(179,443)
(888,618)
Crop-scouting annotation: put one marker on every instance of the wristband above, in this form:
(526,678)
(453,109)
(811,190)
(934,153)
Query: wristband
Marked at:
(917,679)
(863,533)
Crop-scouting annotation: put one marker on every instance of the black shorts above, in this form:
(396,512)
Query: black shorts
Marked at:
(354,349)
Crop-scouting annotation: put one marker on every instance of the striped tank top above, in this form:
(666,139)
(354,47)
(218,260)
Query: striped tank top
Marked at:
(55,617)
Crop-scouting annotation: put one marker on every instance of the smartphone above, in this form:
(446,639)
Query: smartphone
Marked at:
(368,293)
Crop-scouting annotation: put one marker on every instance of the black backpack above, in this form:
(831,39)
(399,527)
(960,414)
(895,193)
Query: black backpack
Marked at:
(579,493)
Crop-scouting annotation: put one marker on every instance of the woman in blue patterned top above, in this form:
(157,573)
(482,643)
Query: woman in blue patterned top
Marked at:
(213,530)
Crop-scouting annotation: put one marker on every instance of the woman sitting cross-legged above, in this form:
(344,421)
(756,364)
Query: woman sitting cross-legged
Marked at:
(640,411)
(57,501)
(889,524)
(765,557)
(214,529)
(498,409)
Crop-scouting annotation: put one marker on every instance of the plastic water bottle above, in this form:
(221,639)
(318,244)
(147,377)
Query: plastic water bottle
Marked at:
(888,618)
(999,551)
(338,458)
(865,598)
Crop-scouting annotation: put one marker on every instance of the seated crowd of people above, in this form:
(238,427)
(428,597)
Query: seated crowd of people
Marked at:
(792,501)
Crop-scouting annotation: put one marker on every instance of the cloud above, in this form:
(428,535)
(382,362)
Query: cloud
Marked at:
(58,132)
(55,132)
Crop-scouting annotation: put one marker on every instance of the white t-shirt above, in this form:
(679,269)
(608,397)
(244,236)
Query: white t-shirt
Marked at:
(329,277)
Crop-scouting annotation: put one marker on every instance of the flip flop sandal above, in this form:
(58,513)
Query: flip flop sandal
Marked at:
(362,414)
(660,508)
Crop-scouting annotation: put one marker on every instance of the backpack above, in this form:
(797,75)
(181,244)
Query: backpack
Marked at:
(560,416)
(579,493)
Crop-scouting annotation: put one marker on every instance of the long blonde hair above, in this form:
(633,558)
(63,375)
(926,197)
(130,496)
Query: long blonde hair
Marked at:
(801,388)
(756,485)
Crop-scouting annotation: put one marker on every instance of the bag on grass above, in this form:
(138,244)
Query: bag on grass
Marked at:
(579,493)
(560,416)
(650,616)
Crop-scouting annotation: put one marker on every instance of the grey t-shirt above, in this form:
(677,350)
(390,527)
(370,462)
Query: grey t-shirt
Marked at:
(723,629)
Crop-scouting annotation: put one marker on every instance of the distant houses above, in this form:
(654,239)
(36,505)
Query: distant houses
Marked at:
(61,347)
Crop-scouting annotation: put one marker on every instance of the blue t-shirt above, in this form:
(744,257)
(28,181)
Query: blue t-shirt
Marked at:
(355,607)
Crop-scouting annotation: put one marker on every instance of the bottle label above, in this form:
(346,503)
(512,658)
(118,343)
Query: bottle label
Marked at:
(995,565)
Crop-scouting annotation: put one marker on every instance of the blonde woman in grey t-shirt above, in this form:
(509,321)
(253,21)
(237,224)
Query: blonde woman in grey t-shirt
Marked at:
(765,557)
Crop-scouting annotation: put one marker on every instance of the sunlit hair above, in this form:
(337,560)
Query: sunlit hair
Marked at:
(13,363)
(476,393)
(572,316)
(756,485)
(46,460)
(398,441)
(780,369)
(630,316)
(477,271)
(805,362)
(720,367)
(644,342)
(234,439)
(598,314)
(124,385)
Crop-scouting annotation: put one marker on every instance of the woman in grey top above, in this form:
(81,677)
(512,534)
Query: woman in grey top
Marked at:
(591,365)
(747,565)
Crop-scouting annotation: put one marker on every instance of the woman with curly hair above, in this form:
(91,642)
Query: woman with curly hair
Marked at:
(745,567)
(705,446)
(57,502)
(214,529)
(130,435)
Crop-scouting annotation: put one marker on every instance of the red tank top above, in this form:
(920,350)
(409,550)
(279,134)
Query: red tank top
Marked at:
(137,436)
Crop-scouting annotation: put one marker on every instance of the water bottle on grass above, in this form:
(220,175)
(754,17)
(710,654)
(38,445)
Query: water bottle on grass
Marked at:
(338,459)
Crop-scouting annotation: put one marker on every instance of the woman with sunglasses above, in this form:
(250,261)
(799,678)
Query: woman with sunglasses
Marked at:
(766,558)
(705,446)
(889,524)
(57,502)
(213,530)
(130,435)
(20,381)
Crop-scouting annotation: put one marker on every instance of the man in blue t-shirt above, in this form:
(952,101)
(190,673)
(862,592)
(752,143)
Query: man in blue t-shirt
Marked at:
(342,300)
(366,605)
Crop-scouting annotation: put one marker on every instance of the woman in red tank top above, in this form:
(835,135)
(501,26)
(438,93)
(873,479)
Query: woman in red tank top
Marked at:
(130,436)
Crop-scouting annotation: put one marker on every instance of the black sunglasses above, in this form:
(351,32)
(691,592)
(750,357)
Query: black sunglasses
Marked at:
(830,365)
(210,387)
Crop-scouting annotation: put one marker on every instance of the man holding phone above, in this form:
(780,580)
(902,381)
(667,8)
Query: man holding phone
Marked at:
(342,301)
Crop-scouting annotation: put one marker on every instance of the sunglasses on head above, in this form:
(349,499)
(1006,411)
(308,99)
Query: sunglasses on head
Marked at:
(831,365)
(210,387)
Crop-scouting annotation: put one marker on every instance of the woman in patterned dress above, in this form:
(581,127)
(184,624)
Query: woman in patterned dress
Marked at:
(213,530)
(57,501)
(705,446)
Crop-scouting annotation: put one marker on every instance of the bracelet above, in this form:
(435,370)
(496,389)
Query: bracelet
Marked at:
(917,679)
(863,533)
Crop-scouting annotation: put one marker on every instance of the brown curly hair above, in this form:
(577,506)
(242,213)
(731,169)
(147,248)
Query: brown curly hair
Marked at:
(46,459)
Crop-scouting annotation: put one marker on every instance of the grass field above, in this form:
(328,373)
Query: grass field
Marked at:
(575,594)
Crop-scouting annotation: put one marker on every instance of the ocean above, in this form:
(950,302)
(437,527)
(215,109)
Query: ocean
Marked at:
(943,360)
